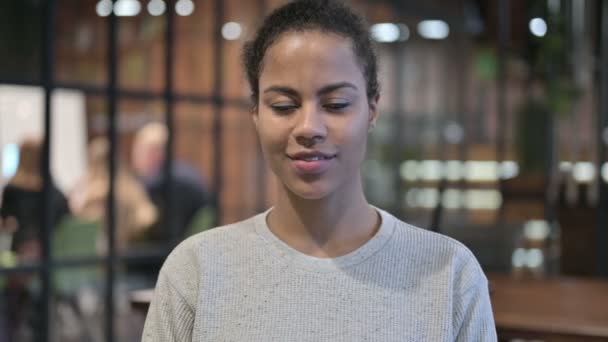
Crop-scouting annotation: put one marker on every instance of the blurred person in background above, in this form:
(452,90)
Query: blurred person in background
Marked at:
(22,200)
(135,211)
(189,195)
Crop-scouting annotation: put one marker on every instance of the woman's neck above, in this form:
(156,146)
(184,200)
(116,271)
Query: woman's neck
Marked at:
(327,227)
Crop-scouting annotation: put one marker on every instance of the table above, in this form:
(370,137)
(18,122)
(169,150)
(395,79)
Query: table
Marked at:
(551,309)
(140,299)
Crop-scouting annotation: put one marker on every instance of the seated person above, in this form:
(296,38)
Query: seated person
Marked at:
(20,213)
(189,195)
(22,199)
(135,213)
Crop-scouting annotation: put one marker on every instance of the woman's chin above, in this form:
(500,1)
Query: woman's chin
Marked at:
(310,191)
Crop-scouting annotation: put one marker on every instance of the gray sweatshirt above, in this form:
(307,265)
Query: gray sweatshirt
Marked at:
(241,283)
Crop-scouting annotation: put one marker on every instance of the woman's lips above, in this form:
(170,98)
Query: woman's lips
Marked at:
(318,166)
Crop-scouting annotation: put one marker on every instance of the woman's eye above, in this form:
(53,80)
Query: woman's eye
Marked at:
(336,106)
(283,109)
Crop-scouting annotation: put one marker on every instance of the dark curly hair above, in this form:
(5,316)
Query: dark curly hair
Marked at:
(308,15)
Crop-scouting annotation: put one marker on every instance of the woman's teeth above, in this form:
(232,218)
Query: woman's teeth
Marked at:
(316,158)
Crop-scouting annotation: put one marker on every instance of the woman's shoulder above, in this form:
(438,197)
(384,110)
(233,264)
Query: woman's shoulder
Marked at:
(427,245)
(432,240)
(225,233)
(211,243)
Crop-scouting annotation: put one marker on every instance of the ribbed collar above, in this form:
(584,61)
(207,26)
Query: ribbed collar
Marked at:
(316,264)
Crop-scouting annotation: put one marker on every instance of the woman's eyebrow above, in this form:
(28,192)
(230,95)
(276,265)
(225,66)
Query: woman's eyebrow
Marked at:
(335,86)
(324,90)
(281,89)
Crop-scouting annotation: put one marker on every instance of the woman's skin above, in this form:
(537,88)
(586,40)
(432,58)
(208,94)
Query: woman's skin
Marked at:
(313,103)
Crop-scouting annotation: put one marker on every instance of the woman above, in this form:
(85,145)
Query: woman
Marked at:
(135,211)
(21,211)
(322,264)
(22,202)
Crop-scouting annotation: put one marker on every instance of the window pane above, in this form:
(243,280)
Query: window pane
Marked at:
(194,50)
(243,169)
(81,233)
(77,311)
(194,138)
(21,126)
(246,182)
(241,20)
(193,168)
(81,43)
(20,33)
(133,293)
(138,216)
(134,212)
(141,52)
(272,4)
(20,318)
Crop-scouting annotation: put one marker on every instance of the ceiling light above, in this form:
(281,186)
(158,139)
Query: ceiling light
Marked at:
(104,8)
(156,7)
(127,8)
(184,7)
(538,27)
(583,172)
(385,32)
(433,29)
(231,31)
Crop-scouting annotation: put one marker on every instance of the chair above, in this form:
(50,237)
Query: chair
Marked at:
(203,220)
(74,238)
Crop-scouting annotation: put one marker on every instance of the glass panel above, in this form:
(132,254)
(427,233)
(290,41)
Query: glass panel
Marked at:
(273,4)
(241,20)
(133,291)
(78,175)
(194,162)
(194,66)
(242,164)
(138,214)
(20,318)
(81,43)
(21,126)
(78,306)
(141,50)
(77,312)
(89,188)
(20,33)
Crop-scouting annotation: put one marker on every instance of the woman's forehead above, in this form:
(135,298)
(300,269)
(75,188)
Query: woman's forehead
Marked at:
(298,55)
(309,43)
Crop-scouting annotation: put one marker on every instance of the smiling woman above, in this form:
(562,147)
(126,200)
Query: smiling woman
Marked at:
(313,116)
(322,264)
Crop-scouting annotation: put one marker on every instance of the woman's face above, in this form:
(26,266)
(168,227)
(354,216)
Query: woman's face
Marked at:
(313,114)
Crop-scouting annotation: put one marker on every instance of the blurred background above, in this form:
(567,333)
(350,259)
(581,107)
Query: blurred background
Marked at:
(125,128)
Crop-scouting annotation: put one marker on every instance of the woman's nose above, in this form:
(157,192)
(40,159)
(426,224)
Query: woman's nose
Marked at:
(311,128)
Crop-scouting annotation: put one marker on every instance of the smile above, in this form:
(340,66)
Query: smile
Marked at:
(311,163)
(311,156)
(314,158)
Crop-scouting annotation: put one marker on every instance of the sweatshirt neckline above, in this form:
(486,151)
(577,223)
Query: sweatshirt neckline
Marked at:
(316,264)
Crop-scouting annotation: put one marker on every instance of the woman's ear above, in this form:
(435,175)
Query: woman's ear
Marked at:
(373,111)
(254,116)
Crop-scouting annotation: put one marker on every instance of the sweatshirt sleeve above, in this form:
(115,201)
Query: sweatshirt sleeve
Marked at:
(172,310)
(170,317)
(474,320)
